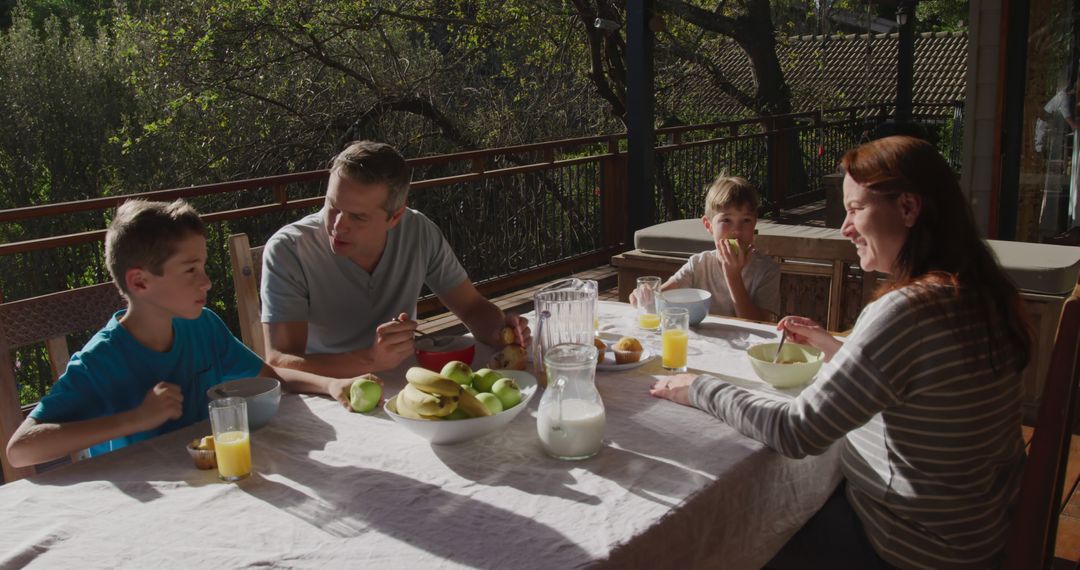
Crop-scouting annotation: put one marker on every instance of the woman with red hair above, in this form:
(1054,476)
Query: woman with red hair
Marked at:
(924,392)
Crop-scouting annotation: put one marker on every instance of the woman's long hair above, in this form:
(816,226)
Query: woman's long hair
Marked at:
(943,247)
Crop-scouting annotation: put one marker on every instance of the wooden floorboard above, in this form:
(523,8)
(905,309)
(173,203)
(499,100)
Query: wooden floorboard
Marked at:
(1068,538)
(1067,544)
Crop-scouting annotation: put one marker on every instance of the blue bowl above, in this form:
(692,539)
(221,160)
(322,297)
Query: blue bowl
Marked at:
(263,395)
(695,301)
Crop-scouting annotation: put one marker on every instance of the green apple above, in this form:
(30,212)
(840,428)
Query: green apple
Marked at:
(507,391)
(493,404)
(734,243)
(364,394)
(458,414)
(470,389)
(458,371)
(485,378)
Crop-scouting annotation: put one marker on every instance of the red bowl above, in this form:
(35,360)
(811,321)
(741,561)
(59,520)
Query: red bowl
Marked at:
(434,357)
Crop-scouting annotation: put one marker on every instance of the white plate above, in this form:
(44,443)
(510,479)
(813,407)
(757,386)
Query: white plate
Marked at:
(609,355)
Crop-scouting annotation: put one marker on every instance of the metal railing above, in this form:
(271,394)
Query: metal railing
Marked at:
(514,215)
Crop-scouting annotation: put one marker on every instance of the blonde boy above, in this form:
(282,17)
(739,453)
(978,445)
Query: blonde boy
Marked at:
(146,373)
(742,283)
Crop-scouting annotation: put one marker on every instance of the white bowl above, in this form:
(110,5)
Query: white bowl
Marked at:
(807,362)
(695,301)
(446,432)
(261,394)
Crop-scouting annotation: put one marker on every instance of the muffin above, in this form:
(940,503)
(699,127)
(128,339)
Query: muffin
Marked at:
(627,350)
(202,452)
(600,349)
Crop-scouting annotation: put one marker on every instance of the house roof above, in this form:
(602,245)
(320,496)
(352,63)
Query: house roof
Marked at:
(823,72)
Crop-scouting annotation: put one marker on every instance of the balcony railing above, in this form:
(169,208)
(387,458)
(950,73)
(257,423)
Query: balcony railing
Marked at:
(514,215)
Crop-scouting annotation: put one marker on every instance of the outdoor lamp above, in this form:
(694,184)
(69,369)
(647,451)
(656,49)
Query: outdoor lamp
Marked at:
(904,8)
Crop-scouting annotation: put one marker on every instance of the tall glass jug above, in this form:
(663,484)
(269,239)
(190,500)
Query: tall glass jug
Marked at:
(565,312)
(570,419)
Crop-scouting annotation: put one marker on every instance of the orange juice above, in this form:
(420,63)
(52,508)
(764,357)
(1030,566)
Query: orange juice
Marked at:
(649,321)
(673,348)
(233,450)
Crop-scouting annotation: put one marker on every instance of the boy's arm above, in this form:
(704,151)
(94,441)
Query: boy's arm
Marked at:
(300,382)
(732,264)
(744,304)
(36,442)
(286,347)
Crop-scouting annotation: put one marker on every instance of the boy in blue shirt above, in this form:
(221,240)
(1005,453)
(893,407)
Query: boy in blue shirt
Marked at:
(146,373)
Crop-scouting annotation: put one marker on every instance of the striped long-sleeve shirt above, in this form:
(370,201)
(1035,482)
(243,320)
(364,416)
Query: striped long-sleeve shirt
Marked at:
(932,446)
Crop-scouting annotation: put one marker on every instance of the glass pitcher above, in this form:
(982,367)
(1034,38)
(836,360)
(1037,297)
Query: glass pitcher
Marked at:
(565,312)
(570,419)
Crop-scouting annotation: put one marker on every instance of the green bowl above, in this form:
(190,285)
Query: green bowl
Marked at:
(804,362)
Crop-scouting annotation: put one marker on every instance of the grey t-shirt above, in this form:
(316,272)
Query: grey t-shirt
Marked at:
(761,277)
(304,280)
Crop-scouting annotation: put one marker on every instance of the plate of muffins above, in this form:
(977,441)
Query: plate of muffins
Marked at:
(620,352)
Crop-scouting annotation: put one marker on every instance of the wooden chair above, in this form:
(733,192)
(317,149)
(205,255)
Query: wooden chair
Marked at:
(247,276)
(46,319)
(1034,525)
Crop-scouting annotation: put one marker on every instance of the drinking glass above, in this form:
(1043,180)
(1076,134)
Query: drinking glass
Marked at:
(232,439)
(648,297)
(675,324)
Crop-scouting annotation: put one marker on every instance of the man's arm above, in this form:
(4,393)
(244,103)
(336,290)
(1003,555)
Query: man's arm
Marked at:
(36,442)
(286,347)
(483,318)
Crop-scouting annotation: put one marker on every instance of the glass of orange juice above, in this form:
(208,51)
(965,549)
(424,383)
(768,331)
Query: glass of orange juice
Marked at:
(675,335)
(232,439)
(648,295)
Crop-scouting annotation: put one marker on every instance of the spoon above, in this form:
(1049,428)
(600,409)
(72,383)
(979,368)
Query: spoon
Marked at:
(435,340)
(783,337)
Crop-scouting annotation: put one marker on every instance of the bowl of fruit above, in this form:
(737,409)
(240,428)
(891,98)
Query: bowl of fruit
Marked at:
(458,404)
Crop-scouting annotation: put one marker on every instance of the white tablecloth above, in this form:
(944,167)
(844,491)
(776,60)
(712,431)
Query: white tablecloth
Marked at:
(673,487)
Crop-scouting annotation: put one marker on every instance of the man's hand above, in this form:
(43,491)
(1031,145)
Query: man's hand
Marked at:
(521,329)
(393,343)
(162,403)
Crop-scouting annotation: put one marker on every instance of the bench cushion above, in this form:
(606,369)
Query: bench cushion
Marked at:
(684,238)
(1034,267)
(1039,267)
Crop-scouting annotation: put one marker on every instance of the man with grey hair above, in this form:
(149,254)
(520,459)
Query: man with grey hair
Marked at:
(339,287)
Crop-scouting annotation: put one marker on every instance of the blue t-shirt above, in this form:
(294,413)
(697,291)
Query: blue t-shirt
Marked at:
(113,373)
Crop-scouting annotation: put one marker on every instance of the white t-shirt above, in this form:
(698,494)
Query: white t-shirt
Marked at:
(304,280)
(761,277)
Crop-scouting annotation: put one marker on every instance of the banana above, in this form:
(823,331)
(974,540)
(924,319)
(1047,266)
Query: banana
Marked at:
(427,404)
(404,410)
(475,408)
(432,382)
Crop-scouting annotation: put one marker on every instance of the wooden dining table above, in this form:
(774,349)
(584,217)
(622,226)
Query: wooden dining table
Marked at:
(671,487)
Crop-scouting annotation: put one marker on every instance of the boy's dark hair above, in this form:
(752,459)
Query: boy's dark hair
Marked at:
(144,235)
(370,162)
(727,191)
